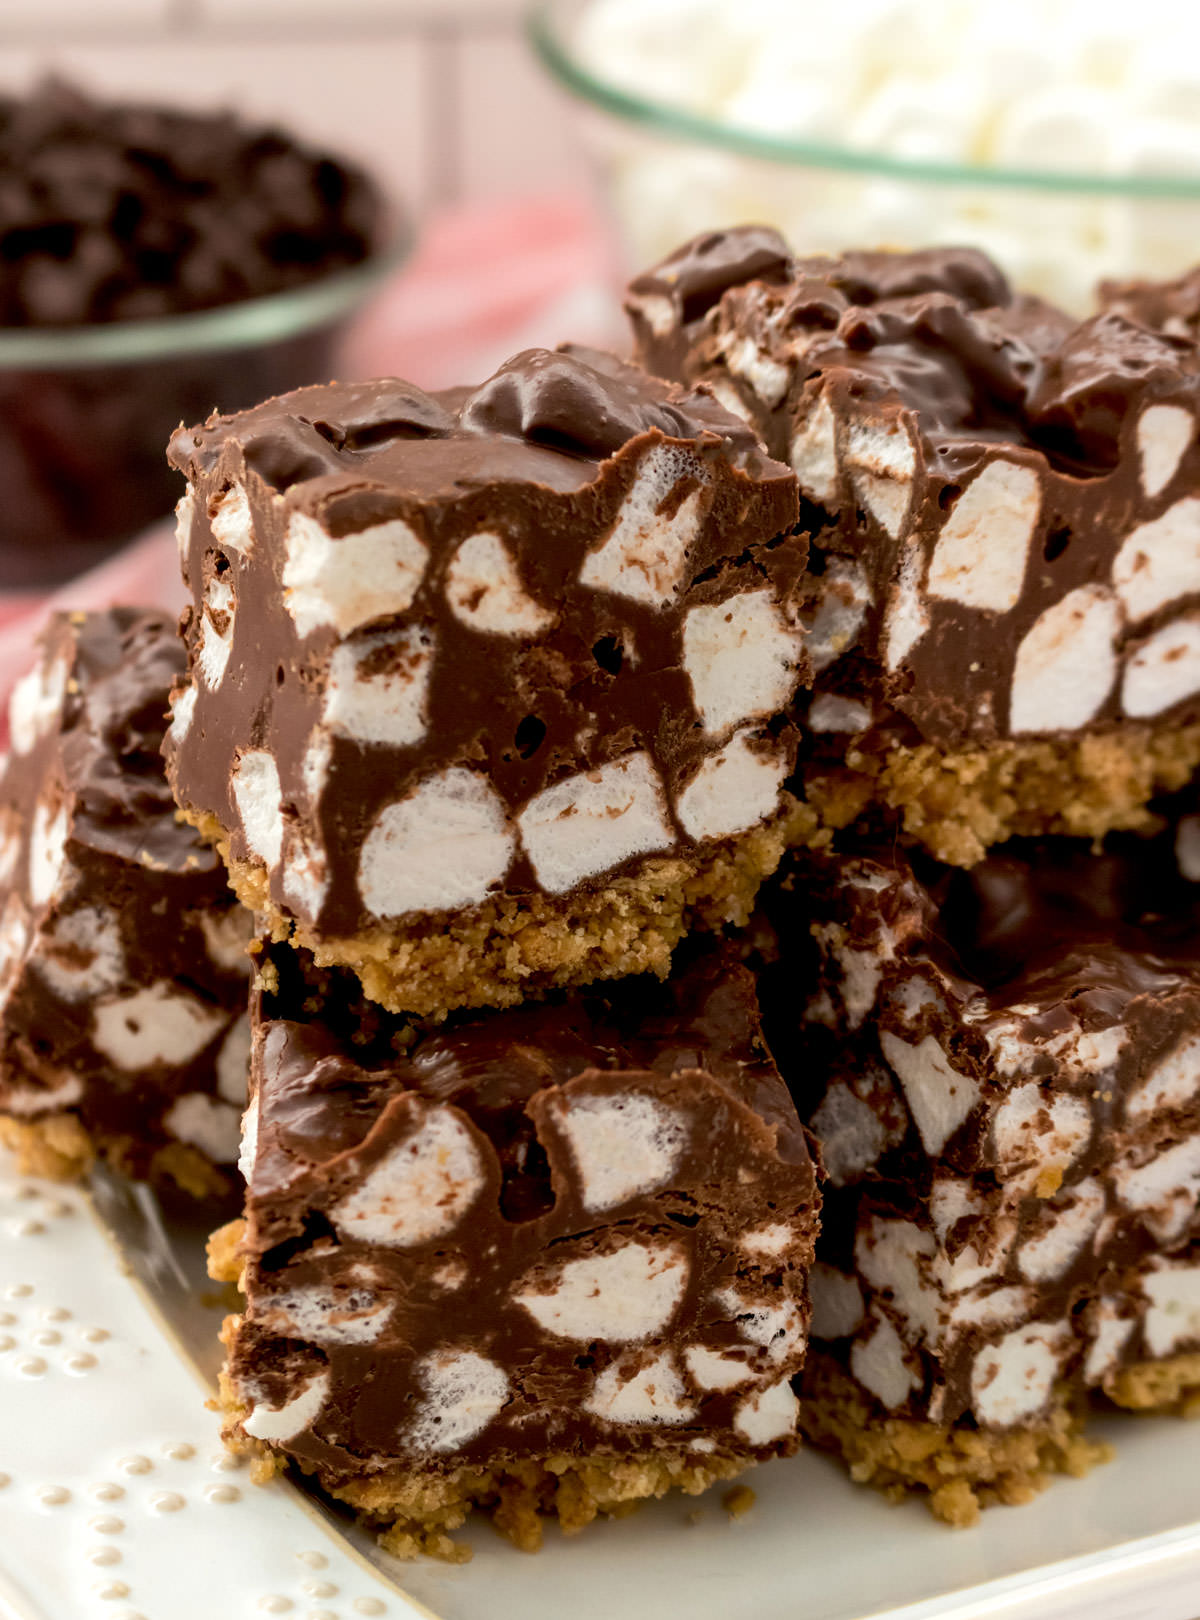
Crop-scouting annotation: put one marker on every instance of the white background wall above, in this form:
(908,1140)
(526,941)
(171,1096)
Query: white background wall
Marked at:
(443,97)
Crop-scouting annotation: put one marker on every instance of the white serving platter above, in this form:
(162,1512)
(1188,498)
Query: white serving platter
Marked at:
(117,1503)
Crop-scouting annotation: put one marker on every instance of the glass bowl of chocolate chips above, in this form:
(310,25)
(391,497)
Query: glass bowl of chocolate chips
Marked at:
(156,265)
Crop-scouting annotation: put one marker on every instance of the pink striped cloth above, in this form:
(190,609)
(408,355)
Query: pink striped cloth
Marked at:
(484,283)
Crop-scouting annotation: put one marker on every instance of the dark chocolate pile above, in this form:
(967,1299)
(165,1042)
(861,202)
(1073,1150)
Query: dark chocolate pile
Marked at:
(125,212)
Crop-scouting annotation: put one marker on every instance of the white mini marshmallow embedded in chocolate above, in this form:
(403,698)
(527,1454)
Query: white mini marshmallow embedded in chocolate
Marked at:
(644,554)
(444,845)
(421,1189)
(346,583)
(484,590)
(591,822)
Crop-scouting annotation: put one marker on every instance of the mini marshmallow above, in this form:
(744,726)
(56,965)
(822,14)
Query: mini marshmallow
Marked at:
(778,1329)
(346,583)
(325,1316)
(183,710)
(159,1024)
(829,712)
(444,845)
(851,1134)
(259,799)
(1172,1083)
(1160,561)
(734,789)
(1062,1232)
(1172,1320)
(896,1256)
(233,1062)
(485,591)
(1011,1381)
(47,851)
(655,1393)
(231,523)
(907,616)
(621,1297)
(624,1145)
(1112,1334)
(882,461)
(1163,671)
(837,1302)
(845,598)
(1066,664)
(1030,1128)
(1164,433)
(248,1151)
(939,1097)
(881,1364)
(378,685)
(226,936)
(81,954)
(589,823)
(36,703)
(420,1190)
(644,555)
(216,631)
(463,1393)
(766,378)
(768,1414)
(207,1123)
(715,1369)
(813,454)
(742,658)
(285,1422)
(981,552)
(185,512)
(1164,1191)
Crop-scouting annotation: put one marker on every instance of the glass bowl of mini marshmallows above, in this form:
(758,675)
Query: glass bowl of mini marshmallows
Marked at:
(1061,136)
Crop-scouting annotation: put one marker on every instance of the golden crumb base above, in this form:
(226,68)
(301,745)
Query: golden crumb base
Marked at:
(962,1469)
(513,947)
(959,804)
(415,1509)
(59,1147)
(223,1252)
(1171,1385)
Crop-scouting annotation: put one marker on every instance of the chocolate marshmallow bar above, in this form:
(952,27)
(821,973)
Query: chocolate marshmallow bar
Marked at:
(1005,506)
(1002,1068)
(487,689)
(123,970)
(549,1259)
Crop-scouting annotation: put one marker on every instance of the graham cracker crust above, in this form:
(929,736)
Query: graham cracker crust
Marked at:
(960,1469)
(959,804)
(415,1509)
(1170,1386)
(58,1147)
(511,948)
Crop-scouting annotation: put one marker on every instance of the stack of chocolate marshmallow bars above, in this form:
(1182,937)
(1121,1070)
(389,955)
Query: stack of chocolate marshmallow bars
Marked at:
(662,808)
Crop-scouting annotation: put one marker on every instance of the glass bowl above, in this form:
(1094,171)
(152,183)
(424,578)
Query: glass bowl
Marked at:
(668,174)
(86,411)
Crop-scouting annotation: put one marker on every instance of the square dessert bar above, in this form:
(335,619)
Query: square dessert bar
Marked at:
(548,1259)
(488,689)
(123,970)
(1003,1070)
(1005,509)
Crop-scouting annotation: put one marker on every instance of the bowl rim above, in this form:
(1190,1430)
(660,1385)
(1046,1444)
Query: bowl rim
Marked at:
(545,30)
(247,324)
